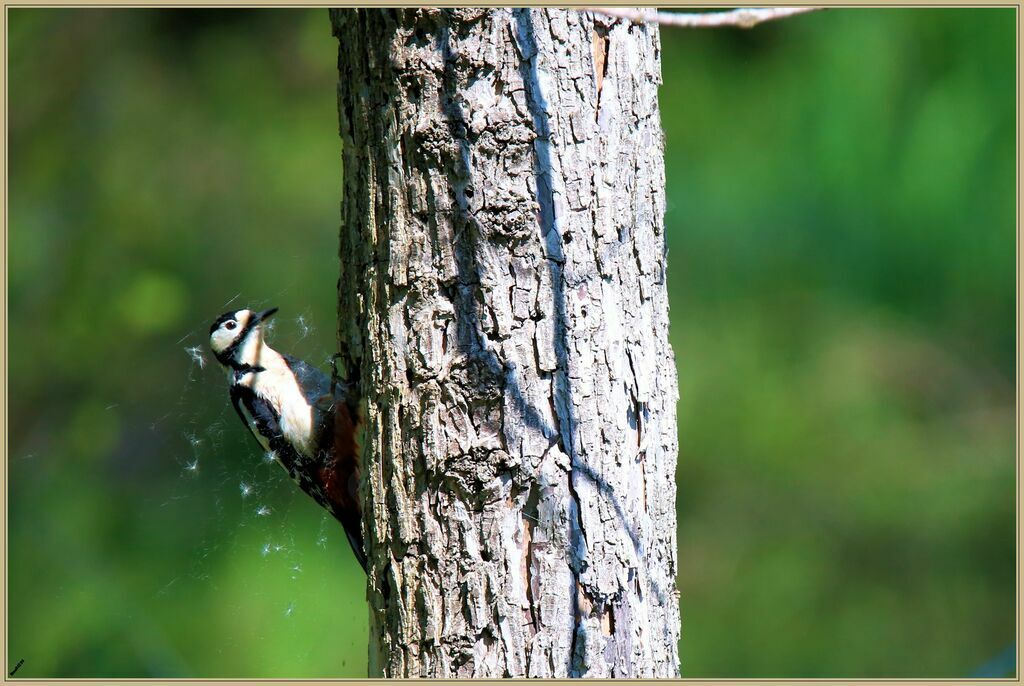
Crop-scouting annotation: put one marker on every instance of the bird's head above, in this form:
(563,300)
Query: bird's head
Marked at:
(233,335)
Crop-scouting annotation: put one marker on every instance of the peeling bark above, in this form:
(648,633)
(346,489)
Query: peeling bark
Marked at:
(503,302)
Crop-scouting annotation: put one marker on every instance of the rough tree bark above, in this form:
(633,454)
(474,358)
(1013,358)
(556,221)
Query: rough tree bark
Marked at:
(503,301)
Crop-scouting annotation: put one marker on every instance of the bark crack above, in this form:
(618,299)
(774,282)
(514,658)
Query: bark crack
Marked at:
(600,44)
(529,517)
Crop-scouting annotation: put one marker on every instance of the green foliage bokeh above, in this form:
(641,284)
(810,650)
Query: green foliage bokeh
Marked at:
(841,226)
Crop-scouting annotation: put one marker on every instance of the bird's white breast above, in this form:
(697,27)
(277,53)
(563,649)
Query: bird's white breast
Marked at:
(277,385)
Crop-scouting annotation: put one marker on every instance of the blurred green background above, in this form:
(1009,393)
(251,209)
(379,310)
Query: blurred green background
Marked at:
(841,223)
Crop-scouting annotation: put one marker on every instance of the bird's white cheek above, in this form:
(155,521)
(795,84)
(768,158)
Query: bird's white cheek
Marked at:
(221,340)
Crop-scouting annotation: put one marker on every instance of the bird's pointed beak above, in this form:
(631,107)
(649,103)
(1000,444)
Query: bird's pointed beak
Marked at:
(265,314)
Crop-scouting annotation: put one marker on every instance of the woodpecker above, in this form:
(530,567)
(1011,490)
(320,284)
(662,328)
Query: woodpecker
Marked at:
(297,414)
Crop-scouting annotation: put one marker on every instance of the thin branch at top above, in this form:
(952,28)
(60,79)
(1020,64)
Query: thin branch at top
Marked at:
(744,17)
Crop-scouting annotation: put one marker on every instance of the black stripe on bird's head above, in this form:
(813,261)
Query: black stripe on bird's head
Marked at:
(231,330)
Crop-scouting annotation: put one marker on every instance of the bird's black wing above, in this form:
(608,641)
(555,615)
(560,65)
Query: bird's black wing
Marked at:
(236,399)
(263,422)
(238,395)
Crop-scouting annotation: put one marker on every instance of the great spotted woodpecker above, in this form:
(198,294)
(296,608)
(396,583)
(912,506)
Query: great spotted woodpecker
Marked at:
(297,414)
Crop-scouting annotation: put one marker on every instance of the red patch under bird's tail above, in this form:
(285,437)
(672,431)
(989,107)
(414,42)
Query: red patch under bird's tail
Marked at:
(340,474)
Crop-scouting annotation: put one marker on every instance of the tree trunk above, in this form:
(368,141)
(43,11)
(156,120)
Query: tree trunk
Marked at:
(503,302)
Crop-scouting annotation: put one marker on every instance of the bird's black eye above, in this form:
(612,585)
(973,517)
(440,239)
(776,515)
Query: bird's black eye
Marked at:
(230,326)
